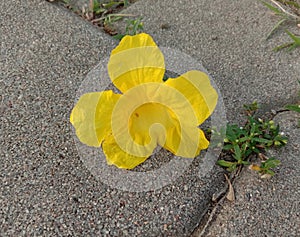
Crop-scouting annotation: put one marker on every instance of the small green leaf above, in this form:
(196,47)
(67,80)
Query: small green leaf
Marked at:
(295,108)
(225,163)
(246,163)
(292,45)
(232,168)
(260,140)
(248,152)
(256,150)
(227,147)
(282,46)
(237,152)
(110,5)
(293,4)
(270,172)
(274,9)
(243,139)
(294,37)
(271,163)
(276,130)
(118,36)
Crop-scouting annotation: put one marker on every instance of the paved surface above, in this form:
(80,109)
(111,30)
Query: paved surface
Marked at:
(45,54)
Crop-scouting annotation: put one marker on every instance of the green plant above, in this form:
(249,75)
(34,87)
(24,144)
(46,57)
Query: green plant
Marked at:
(96,7)
(133,27)
(102,13)
(109,19)
(103,8)
(253,139)
(291,45)
(284,17)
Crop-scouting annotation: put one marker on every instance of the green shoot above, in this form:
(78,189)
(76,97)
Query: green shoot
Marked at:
(278,12)
(133,27)
(291,45)
(284,17)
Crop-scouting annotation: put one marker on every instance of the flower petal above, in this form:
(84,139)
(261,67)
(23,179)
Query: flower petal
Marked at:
(196,87)
(116,156)
(136,60)
(91,116)
(185,143)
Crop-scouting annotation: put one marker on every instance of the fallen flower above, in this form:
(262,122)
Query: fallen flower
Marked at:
(149,112)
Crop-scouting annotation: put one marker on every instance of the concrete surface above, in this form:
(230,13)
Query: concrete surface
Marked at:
(266,207)
(45,54)
(45,188)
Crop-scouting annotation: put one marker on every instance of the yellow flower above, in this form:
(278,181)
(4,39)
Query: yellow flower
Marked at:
(149,112)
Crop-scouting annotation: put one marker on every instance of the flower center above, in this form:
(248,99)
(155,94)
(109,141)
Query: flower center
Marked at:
(149,123)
